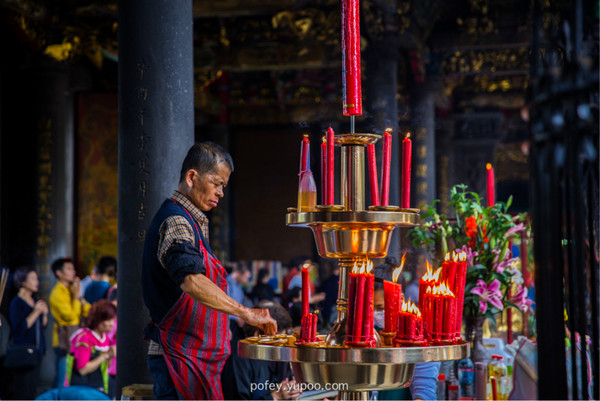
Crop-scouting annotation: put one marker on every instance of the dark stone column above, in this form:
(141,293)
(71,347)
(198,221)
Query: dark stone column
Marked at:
(382,112)
(156,128)
(423,134)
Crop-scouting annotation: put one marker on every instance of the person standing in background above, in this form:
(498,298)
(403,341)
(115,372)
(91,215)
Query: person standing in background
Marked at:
(67,307)
(107,275)
(28,317)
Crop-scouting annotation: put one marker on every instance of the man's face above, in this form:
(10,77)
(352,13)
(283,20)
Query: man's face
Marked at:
(244,277)
(68,272)
(207,189)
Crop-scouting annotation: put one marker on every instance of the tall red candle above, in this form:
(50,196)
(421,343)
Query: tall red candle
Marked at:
(428,313)
(330,166)
(374,184)
(304,149)
(491,193)
(305,290)
(359,300)
(351,79)
(438,314)
(367,329)
(406,167)
(351,306)
(449,323)
(385,167)
(392,293)
(459,288)
(324,172)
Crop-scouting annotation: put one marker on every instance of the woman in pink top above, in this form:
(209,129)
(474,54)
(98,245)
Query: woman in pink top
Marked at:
(87,364)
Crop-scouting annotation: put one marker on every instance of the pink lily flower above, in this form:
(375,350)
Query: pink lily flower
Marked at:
(513,230)
(488,293)
(520,298)
(470,255)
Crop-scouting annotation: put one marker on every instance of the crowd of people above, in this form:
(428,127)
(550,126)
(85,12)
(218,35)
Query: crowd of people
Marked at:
(198,308)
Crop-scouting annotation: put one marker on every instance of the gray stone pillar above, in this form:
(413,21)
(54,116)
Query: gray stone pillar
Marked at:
(55,167)
(423,156)
(156,128)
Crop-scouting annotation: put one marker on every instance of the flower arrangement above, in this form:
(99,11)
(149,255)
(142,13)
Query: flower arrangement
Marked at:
(494,279)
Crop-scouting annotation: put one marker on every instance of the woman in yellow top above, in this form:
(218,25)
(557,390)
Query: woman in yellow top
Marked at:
(67,307)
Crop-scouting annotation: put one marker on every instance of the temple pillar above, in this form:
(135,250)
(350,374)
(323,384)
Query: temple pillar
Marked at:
(156,128)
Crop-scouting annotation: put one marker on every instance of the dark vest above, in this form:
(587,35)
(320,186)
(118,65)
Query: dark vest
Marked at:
(160,291)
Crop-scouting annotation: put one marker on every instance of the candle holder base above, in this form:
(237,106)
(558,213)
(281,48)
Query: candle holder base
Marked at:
(409,343)
(387,338)
(361,344)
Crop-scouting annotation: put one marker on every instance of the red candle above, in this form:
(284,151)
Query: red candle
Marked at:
(305,290)
(410,326)
(304,149)
(324,172)
(438,314)
(406,166)
(367,329)
(351,58)
(461,278)
(392,293)
(449,271)
(351,291)
(428,313)
(359,300)
(330,166)
(313,331)
(430,278)
(400,316)
(491,193)
(373,175)
(385,167)
(449,323)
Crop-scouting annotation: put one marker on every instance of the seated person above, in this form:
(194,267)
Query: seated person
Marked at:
(240,375)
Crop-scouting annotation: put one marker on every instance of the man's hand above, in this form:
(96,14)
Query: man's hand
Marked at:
(289,391)
(262,319)
(76,288)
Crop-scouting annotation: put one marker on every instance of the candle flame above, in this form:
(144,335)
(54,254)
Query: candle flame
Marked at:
(306,265)
(410,307)
(362,268)
(407,135)
(429,290)
(305,135)
(355,268)
(447,257)
(388,130)
(488,166)
(431,275)
(462,257)
(398,270)
(324,139)
(442,289)
(369,266)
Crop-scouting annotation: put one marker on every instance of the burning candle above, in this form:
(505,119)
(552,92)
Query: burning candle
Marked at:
(491,193)
(330,166)
(324,172)
(393,296)
(305,290)
(367,329)
(374,185)
(304,149)
(430,278)
(428,312)
(406,166)
(385,167)
(351,58)
(438,312)
(448,271)
(449,324)
(459,288)
(409,320)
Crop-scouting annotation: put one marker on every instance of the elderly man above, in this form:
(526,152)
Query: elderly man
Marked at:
(185,286)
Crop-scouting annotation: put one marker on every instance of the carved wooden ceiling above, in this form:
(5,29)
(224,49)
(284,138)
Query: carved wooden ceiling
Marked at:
(280,53)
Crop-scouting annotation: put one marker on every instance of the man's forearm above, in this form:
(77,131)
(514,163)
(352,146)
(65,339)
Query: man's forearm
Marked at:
(199,287)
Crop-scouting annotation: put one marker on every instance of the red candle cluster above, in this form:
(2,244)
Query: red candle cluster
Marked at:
(439,312)
(308,326)
(393,298)
(359,331)
(409,325)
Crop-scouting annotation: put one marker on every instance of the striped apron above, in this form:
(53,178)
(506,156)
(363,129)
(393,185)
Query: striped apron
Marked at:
(195,339)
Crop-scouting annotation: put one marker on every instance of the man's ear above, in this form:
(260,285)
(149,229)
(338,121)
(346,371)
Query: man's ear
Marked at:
(189,177)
